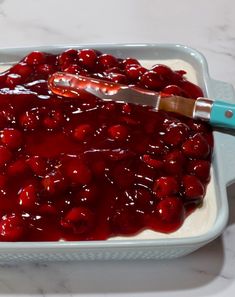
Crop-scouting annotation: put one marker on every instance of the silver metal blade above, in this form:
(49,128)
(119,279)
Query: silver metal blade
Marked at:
(129,95)
(65,84)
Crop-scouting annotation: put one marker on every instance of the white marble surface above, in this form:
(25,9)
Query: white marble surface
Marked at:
(206,25)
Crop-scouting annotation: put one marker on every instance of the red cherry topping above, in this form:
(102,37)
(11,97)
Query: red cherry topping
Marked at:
(106,61)
(13,80)
(54,182)
(82,131)
(87,195)
(29,120)
(3,181)
(114,70)
(118,132)
(6,117)
(151,80)
(35,58)
(158,164)
(198,126)
(166,186)
(5,155)
(201,168)
(110,106)
(193,188)
(38,165)
(196,147)
(78,172)
(163,71)
(87,58)
(22,69)
(28,197)
(157,147)
(117,78)
(170,214)
(135,72)
(125,221)
(126,108)
(47,209)
(67,58)
(12,138)
(123,177)
(142,197)
(11,227)
(17,167)
(79,219)
(75,69)
(173,90)
(130,61)
(54,119)
(175,133)
(98,167)
(174,162)
(191,89)
(118,155)
(83,168)
(46,69)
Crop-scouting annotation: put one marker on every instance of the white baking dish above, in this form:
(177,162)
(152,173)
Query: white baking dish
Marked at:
(148,244)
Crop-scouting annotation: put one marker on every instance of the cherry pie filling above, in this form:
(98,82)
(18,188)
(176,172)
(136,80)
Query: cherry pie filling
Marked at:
(84,169)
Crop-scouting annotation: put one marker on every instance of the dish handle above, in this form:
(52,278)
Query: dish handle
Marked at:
(224,139)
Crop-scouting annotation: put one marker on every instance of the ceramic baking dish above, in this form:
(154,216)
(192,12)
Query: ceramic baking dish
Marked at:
(148,246)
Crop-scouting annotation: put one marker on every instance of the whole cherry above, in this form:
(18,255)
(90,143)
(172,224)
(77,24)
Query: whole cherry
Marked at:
(169,214)
(196,147)
(11,137)
(5,155)
(12,227)
(87,58)
(165,186)
(192,187)
(35,58)
(118,132)
(80,219)
(27,197)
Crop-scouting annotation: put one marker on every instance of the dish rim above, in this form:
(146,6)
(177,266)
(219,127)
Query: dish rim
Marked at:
(222,214)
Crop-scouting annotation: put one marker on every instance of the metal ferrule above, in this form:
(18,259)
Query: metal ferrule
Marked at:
(202,108)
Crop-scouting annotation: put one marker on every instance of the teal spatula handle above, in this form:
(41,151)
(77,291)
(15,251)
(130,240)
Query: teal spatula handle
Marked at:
(223,114)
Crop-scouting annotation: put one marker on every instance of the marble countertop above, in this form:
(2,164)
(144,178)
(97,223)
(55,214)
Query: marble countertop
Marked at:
(209,271)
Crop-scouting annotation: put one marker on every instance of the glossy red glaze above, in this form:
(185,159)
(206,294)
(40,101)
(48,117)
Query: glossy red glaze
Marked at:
(83,169)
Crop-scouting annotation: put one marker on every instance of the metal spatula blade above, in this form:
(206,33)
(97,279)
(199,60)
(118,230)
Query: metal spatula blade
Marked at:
(217,113)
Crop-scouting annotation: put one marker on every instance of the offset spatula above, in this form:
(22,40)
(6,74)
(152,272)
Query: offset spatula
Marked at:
(217,113)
